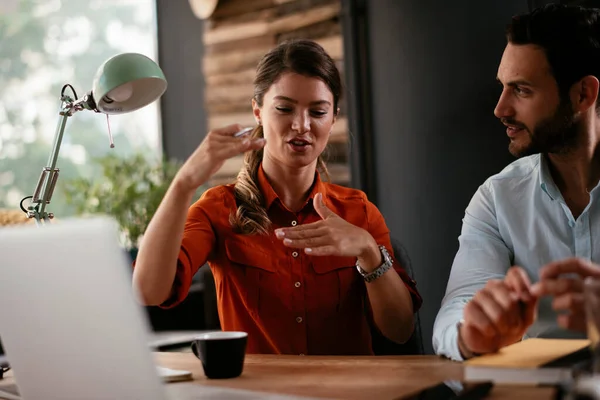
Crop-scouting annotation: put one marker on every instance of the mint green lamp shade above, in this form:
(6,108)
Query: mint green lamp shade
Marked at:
(127,82)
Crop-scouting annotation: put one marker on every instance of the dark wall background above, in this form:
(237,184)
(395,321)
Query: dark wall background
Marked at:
(180,56)
(180,52)
(431,71)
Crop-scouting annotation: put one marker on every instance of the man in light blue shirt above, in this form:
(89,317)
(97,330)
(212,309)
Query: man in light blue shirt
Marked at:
(539,219)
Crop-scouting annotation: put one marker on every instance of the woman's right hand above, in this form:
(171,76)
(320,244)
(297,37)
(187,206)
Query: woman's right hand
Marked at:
(218,146)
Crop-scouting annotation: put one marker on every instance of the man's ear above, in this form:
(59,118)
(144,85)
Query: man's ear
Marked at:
(584,93)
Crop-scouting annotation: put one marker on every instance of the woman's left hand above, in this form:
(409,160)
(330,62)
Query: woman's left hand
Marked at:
(332,236)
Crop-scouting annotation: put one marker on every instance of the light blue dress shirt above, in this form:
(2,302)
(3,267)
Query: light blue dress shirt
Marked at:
(517,217)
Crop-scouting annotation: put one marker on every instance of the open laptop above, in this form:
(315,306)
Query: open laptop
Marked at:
(69,321)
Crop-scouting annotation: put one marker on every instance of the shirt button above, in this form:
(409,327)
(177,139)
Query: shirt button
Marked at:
(298,319)
(295,254)
(297,284)
(294,223)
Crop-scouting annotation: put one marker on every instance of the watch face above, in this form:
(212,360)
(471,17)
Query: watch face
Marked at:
(360,270)
(387,259)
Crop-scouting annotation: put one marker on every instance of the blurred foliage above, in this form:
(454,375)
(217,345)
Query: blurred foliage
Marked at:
(45,44)
(130,190)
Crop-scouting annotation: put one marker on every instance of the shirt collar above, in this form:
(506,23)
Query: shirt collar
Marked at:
(270,195)
(546,182)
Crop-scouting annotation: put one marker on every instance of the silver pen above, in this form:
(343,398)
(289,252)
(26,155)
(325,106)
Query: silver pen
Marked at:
(242,132)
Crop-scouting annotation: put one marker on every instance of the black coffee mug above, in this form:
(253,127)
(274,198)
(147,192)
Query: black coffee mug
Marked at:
(222,353)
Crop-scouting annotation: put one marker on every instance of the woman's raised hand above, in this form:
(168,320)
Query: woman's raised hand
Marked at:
(218,146)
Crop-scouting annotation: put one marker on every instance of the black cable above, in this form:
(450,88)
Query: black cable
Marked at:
(21,203)
(62,92)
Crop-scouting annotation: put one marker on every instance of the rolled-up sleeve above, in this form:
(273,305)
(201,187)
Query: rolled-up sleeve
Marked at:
(482,255)
(198,241)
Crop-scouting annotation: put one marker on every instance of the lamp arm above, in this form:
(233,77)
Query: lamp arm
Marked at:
(47,181)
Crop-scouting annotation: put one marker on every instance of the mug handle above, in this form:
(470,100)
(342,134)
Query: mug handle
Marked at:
(195,349)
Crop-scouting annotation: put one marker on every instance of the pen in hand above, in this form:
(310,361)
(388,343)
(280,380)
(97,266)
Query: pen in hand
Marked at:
(243,132)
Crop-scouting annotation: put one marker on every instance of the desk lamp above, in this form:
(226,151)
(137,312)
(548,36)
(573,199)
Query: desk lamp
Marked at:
(123,83)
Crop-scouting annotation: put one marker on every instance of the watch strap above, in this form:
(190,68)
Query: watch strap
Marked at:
(377,272)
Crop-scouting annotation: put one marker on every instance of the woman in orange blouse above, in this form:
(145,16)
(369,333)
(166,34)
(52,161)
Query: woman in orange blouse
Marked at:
(300,264)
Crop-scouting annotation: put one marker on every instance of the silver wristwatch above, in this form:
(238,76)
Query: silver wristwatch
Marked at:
(377,272)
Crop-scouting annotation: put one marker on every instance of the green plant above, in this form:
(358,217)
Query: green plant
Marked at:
(129,190)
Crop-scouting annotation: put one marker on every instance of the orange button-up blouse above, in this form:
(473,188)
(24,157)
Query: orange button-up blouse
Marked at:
(287,301)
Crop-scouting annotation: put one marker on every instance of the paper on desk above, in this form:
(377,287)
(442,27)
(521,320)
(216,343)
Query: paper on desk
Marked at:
(173,375)
(530,353)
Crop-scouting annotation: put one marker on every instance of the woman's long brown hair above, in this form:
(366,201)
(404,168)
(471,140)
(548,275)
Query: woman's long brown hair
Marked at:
(303,57)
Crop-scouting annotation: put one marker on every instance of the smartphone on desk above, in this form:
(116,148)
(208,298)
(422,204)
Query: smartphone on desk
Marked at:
(452,390)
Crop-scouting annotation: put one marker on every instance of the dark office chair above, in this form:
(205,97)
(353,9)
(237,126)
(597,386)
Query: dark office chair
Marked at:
(211,314)
(414,345)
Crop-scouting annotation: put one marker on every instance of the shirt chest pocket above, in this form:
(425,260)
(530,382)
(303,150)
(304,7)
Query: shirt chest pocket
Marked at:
(254,275)
(337,285)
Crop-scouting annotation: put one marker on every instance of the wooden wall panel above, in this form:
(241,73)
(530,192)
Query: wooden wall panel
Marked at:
(236,37)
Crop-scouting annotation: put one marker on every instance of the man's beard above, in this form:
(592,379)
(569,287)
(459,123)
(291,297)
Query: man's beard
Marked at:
(556,134)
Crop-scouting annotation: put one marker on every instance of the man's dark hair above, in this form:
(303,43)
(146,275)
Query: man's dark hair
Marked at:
(570,37)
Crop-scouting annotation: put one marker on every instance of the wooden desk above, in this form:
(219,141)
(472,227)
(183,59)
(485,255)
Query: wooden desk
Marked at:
(343,377)
(338,377)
